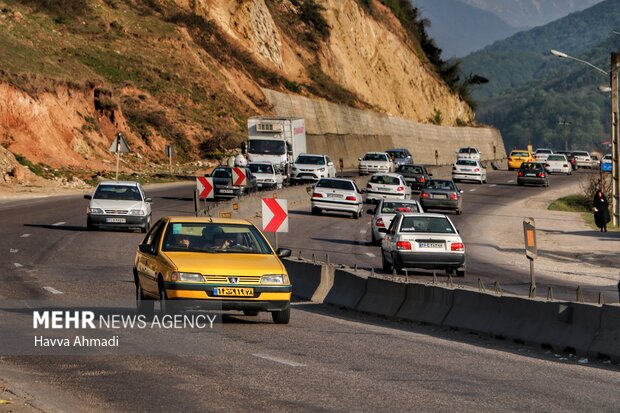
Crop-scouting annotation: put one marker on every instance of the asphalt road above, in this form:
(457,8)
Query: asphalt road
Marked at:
(325,360)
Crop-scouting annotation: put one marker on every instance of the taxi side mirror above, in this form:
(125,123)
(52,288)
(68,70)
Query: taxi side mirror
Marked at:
(283,252)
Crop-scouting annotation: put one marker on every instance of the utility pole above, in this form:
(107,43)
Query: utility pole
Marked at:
(615,202)
(565,123)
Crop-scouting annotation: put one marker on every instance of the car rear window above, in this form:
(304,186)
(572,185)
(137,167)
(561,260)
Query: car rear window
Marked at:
(519,153)
(525,166)
(392,207)
(385,180)
(466,162)
(335,184)
(375,157)
(434,225)
(445,185)
(544,151)
(310,160)
(222,173)
(580,154)
(118,193)
(214,238)
(411,169)
(556,158)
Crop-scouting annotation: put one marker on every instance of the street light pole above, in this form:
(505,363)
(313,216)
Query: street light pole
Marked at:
(615,131)
(565,123)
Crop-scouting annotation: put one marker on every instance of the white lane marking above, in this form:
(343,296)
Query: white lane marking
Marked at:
(363,231)
(13,250)
(17,265)
(511,181)
(472,190)
(493,185)
(24,235)
(279,360)
(370,254)
(59,224)
(52,290)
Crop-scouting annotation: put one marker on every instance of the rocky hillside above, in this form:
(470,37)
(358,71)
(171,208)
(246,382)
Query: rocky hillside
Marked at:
(190,72)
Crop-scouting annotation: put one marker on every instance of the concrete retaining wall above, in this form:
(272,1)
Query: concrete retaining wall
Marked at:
(344,132)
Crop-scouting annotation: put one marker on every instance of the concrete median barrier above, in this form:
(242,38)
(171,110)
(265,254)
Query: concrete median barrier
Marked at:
(382,297)
(347,291)
(426,304)
(473,311)
(606,343)
(305,277)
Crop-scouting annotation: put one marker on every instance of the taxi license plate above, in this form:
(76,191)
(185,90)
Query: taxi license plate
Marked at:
(431,245)
(233,292)
(116,220)
(226,191)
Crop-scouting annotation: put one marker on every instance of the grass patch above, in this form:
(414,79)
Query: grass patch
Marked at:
(571,203)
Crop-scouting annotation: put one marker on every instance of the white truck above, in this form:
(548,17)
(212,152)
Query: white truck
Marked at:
(277,140)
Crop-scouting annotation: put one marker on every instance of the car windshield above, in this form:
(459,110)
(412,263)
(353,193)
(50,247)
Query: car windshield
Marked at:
(335,184)
(214,238)
(375,157)
(411,169)
(466,162)
(435,225)
(310,160)
(392,207)
(261,168)
(468,150)
(118,193)
(607,157)
(519,153)
(397,154)
(385,180)
(556,158)
(445,185)
(263,147)
(222,173)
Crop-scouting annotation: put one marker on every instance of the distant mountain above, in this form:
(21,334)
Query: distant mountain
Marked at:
(459,29)
(530,91)
(530,13)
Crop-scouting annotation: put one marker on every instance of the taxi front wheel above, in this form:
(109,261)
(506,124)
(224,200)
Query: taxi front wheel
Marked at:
(281,317)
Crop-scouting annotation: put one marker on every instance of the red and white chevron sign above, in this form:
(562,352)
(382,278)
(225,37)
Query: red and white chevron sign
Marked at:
(275,215)
(238,177)
(205,187)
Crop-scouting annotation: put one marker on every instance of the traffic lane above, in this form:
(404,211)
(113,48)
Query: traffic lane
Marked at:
(334,360)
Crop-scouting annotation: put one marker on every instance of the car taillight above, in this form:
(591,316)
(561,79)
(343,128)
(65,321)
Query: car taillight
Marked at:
(350,198)
(423,195)
(400,189)
(520,173)
(454,196)
(509,159)
(421,179)
(379,222)
(477,170)
(458,246)
(540,175)
(403,245)
(317,195)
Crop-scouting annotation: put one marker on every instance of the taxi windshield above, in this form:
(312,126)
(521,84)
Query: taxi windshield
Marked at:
(214,238)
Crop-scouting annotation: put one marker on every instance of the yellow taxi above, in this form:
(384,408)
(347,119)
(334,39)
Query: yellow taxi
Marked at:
(226,262)
(517,157)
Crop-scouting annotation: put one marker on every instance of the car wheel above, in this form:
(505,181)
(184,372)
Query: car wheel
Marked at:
(281,317)
(144,305)
(316,211)
(373,239)
(458,212)
(250,313)
(355,215)
(519,183)
(90,227)
(460,272)
(146,226)
(166,306)
(385,265)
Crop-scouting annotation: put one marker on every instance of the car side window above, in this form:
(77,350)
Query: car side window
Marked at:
(154,234)
(395,223)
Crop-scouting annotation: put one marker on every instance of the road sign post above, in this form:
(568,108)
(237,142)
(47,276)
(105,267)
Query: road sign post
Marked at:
(275,216)
(169,153)
(119,145)
(531,251)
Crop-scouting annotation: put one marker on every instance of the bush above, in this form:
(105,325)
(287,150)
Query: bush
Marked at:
(311,13)
(591,183)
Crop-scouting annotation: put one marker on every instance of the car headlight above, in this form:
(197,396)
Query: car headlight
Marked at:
(270,180)
(321,169)
(95,211)
(274,279)
(293,168)
(137,212)
(186,276)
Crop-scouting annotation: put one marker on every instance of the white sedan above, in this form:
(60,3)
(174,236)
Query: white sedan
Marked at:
(338,195)
(558,164)
(469,170)
(375,162)
(384,186)
(385,212)
(428,241)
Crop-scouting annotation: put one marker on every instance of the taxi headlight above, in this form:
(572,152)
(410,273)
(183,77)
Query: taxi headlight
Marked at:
(95,211)
(186,276)
(137,212)
(274,279)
